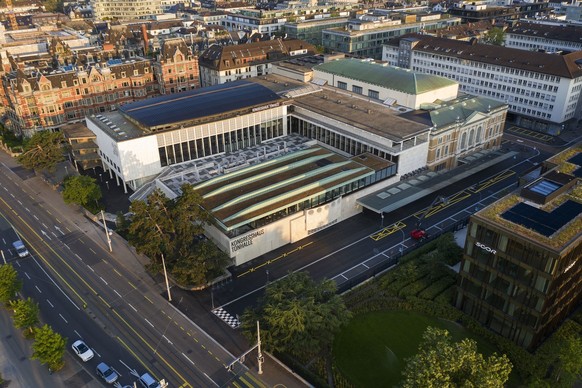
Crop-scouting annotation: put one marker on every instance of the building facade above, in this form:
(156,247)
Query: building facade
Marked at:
(542,90)
(176,69)
(310,30)
(544,37)
(125,9)
(364,37)
(521,273)
(220,64)
(47,100)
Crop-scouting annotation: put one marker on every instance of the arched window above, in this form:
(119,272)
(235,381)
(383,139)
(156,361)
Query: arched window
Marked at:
(471,137)
(479,134)
(464,140)
(446,151)
(438,153)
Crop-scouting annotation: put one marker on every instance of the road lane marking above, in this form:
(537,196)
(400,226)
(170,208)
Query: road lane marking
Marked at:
(103,280)
(88,266)
(118,294)
(43,224)
(134,309)
(20,203)
(166,338)
(91,249)
(188,358)
(117,272)
(63,318)
(131,284)
(78,257)
(26,274)
(57,286)
(38,289)
(149,323)
(79,335)
(35,217)
(148,299)
(27,209)
(49,302)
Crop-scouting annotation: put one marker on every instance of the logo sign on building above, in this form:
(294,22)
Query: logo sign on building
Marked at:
(265,107)
(486,248)
(245,241)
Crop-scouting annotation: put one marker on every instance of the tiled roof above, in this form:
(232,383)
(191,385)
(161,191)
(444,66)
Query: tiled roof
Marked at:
(388,77)
(567,66)
(569,32)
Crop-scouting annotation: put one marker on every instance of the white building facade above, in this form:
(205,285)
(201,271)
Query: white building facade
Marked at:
(542,90)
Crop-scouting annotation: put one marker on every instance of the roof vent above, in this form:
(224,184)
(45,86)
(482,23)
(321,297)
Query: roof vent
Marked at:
(339,101)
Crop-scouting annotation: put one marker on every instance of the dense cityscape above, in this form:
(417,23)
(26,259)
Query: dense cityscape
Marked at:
(291,193)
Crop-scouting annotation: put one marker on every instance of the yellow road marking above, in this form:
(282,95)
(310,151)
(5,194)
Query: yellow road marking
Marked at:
(131,284)
(148,299)
(150,346)
(117,272)
(258,382)
(273,260)
(236,385)
(388,231)
(241,378)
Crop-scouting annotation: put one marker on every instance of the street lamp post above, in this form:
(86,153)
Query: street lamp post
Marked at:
(260,357)
(101,177)
(106,231)
(166,276)
(107,183)
(382,216)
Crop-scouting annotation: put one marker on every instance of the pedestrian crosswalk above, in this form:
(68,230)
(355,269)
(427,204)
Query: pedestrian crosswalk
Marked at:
(226,317)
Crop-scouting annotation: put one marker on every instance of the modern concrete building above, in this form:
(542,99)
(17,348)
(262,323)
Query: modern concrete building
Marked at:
(542,90)
(390,85)
(533,36)
(363,37)
(125,9)
(521,273)
(310,30)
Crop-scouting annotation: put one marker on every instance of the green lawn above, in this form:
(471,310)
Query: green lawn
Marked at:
(371,350)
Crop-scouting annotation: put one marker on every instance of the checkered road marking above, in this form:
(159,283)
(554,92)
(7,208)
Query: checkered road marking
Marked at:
(226,317)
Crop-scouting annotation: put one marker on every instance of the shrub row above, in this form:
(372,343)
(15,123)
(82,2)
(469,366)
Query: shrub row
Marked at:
(436,288)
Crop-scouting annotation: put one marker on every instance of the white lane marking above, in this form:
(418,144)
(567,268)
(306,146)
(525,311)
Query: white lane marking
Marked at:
(35,217)
(19,202)
(54,234)
(26,274)
(27,209)
(49,302)
(63,318)
(43,224)
(94,351)
(4,241)
(166,338)
(148,322)
(103,280)
(188,358)
(18,264)
(118,294)
(79,335)
(78,257)
(4,258)
(38,289)
(12,195)
(90,268)
(52,280)
(68,247)
(134,309)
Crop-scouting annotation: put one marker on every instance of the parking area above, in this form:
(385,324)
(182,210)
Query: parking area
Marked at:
(530,134)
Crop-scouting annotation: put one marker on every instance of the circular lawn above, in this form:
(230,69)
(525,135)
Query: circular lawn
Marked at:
(372,349)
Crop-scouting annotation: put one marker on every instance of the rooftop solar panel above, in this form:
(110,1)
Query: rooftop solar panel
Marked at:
(199,103)
(545,223)
(576,159)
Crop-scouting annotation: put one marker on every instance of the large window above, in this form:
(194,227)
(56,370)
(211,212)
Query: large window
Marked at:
(342,85)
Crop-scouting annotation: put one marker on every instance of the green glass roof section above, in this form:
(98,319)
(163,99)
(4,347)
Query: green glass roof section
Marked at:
(389,77)
(264,175)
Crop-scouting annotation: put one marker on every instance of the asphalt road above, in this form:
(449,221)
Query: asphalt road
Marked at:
(85,292)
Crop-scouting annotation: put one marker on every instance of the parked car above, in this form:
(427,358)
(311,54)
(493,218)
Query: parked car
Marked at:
(107,373)
(82,350)
(147,381)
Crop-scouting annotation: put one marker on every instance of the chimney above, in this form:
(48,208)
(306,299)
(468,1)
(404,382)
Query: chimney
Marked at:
(144,33)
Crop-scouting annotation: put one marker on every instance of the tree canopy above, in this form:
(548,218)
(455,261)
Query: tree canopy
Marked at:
(442,363)
(495,36)
(298,315)
(172,228)
(25,313)
(43,151)
(48,347)
(82,190)
(10,283)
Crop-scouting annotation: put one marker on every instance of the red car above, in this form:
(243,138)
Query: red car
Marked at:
(418,234)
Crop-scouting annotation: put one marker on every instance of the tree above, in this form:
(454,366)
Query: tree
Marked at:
(445,364)
(10,283)
(82,190)
(569,359)
(298,315)
(495,36)
(162,226)
(48,347)
(43,151)
(25,314)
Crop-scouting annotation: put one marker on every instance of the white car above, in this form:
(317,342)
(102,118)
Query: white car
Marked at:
(82,350)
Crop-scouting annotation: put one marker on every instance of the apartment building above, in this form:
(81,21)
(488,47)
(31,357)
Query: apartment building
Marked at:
(310,30)
(544,37)
(476,11)
(220,64)
(125,9)
(364,37)
(48,99)
(521,273)
(542,90)
(176,69)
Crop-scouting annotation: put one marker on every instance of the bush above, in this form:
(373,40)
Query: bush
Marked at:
(436,288)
